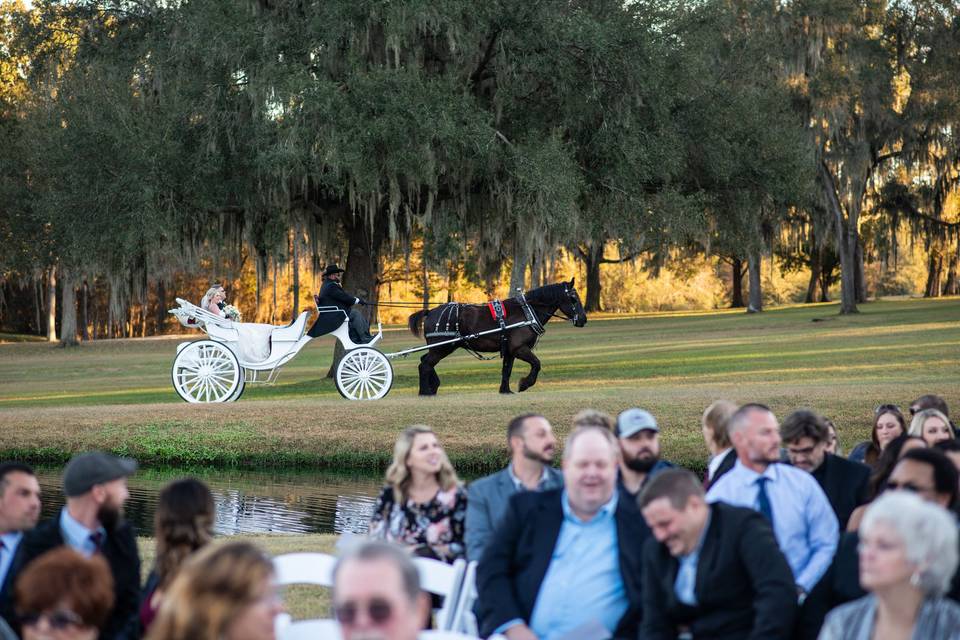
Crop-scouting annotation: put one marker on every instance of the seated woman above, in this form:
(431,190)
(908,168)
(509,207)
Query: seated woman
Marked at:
(908,552)
(214,300)
(897,448)
(888,423)
(932,426)
(423,506)
(64,595)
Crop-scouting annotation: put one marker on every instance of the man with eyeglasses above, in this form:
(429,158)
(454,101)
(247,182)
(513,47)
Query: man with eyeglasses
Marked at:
(846,483)
(926,472)
(376,594)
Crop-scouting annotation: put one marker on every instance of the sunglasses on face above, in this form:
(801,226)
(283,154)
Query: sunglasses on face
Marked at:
(57,620)
(378,610)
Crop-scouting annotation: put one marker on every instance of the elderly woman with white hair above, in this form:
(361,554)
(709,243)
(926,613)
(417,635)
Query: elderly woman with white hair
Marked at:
(908,553)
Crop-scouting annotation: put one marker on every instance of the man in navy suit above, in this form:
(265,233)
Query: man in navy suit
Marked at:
(19,512)
(532,445)
(567,562)
(713,570)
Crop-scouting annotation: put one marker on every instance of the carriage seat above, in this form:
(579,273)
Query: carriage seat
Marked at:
(293,331)
(329,319)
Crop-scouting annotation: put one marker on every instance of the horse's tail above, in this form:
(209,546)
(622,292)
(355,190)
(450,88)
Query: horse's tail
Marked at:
(415,320)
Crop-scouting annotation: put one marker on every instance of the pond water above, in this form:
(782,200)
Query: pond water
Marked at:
(250,501)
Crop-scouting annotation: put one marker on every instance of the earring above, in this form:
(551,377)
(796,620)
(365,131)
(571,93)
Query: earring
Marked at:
(915,579)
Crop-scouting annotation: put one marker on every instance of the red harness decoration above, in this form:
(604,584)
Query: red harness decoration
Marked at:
(493,313)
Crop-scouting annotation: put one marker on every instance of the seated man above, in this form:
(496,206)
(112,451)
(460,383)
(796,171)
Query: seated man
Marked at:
(712,569)
(333,295)
(566,561)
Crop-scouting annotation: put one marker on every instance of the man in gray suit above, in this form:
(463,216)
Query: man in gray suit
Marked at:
(532,445)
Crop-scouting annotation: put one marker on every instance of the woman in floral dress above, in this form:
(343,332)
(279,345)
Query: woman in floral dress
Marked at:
(423,505)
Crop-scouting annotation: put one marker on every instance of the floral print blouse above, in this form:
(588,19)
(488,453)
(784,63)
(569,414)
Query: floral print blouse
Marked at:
(433,524)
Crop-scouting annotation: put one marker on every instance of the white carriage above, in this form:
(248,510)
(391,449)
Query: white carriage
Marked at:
(236,354)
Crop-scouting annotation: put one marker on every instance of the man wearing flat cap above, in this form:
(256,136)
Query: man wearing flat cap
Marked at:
(91,522)
(333,295)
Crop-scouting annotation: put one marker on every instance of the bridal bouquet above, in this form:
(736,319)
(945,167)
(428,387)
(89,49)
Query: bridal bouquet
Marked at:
(232,313)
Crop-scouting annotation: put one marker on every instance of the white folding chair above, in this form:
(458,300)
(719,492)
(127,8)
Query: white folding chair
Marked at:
(443,580)
(464,621)
(305,568)
(310,630)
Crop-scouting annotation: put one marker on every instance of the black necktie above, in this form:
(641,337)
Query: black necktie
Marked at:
(97,539)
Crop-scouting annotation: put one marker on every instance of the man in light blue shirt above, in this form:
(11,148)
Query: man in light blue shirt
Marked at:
(803,521)
(19,510)
(532,445)
(567,562)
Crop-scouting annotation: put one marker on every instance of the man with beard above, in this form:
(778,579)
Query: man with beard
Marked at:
(19,512)
(532,445)
(639,438)
(790,499)
(95,485)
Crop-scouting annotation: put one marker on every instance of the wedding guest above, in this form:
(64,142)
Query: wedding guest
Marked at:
(877,484)
(63,595)
(183,523)
(423,505)
(908,553)
(833,440)
(714,428)
(223,592)
(931,425)
(888,423)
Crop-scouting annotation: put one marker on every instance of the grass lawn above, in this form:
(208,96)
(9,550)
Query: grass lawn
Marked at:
(117,394)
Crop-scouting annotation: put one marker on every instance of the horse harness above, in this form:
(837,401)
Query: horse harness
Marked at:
(450,315)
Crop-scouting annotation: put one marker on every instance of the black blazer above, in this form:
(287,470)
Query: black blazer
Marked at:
(744,586)
(516,559)
(846,484)
(726,464)
(120,552)
(333,295)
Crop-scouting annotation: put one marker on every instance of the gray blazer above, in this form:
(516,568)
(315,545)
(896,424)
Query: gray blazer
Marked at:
(938,618)
(487,501)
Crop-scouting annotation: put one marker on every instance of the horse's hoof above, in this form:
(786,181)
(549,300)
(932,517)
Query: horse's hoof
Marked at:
(506,393)
(523,387)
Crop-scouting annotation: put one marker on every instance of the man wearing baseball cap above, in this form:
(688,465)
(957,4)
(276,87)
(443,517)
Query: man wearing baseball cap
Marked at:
(91,522)
(639,438)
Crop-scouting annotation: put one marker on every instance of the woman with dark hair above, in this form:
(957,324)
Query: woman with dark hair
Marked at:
(888,423)
(183,524)
(64,595)
(223,592)
(881,472)
(423,506)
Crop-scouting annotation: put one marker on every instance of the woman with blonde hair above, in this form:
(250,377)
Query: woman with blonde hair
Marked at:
(423,505)
(213,300)
(931,425)
(224,592)
(714,428)
(182,525)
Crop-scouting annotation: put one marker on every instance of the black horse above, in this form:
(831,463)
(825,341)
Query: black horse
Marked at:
(457,320)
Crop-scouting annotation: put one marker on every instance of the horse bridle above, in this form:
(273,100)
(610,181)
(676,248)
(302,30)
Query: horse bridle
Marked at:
(571,296)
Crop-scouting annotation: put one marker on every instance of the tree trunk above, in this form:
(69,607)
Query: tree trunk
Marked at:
(362,268)
(736,279)
(952,286)
(38,303)
(861,281)
(52,305)
(934,271)
(68,313)
(756,294)
(425,279)
(592,261)
(846,231)
(816,266)
(161,305)
(521,258)
(273,308)
(295,252)
(85,308)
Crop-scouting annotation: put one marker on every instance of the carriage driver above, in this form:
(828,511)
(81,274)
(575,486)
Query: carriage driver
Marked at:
(333,295)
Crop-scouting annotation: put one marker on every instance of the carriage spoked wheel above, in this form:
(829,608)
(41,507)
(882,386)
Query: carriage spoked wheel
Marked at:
(364,374)
(207,371)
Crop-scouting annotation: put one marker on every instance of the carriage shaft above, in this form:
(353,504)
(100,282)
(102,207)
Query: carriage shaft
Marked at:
(406,352)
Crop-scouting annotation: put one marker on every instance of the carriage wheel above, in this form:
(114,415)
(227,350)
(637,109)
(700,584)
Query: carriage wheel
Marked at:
(206,371)
(240,387)
(364,374)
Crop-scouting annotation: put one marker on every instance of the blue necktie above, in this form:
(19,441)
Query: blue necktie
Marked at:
(763,500)
(97,539)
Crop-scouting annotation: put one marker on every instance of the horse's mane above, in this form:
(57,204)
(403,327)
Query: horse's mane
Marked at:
(552,294)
